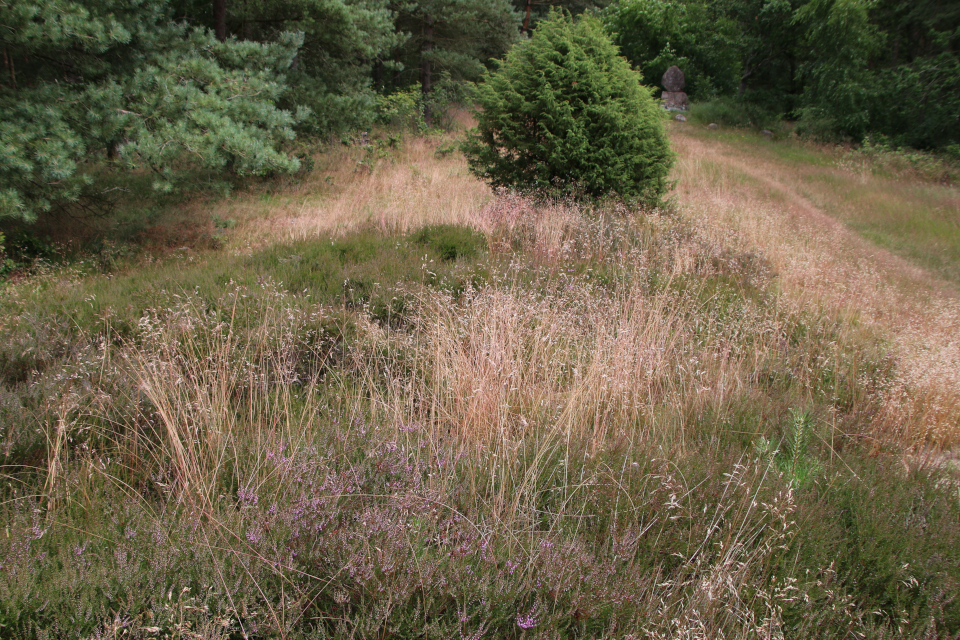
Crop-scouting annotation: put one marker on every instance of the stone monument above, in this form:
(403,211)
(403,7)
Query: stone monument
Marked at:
(673,97)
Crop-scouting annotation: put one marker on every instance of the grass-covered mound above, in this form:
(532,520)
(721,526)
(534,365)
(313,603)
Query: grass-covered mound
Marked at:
(577,422)
(581,425)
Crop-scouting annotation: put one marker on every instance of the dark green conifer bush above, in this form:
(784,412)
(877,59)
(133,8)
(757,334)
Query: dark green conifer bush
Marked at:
(565,113)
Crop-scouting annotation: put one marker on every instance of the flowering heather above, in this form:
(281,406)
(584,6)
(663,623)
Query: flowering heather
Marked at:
(588,429)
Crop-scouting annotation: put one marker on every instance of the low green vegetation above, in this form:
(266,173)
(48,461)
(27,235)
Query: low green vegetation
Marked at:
(359,270)
(730,113)
(920,226)
(904,202)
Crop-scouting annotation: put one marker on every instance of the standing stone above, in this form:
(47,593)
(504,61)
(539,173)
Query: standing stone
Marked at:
(673,79)
(673,97)
(674,101)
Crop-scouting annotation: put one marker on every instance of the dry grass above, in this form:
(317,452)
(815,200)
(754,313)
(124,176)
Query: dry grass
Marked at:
(576,366)
(215,392)
(566,447)
(470,442)
(574,359)
(824,265)
(389,188)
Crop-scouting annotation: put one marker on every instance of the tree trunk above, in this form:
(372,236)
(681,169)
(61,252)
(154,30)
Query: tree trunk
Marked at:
(220,19)
(526,19)
(378,74)
(426,78)
(8,63)
(747,72)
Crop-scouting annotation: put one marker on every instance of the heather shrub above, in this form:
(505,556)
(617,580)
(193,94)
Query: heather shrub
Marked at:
(565,447)
(565,113)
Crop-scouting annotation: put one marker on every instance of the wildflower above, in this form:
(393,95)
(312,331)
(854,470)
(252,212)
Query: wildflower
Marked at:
(248,496)
(529,620)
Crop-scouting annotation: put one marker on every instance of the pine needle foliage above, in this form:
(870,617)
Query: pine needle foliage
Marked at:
(86,80)
(565,113)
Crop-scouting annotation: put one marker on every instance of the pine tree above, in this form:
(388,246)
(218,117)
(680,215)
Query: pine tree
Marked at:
(565,112)
(452,40)
(343,40)
(122,79)
(535,10)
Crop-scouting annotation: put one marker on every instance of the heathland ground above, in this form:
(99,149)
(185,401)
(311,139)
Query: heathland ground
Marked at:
(380,401)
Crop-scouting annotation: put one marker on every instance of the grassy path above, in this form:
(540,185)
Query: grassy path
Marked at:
(911,227)
(814,216)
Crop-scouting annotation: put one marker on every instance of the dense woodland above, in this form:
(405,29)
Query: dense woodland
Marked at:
(229,85)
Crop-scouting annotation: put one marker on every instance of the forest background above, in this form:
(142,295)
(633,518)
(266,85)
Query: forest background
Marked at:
(237,88)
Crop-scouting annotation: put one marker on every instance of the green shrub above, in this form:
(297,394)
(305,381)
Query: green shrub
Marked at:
(792,458)
(402,109)
(21,249)
(451,241)
(565,113)
(6,264)
(732,112)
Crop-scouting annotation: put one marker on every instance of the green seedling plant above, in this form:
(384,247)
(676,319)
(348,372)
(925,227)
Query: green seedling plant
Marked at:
(793,460)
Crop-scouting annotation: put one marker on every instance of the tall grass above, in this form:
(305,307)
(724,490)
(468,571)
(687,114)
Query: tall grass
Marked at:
(390,185)
(608,423)
(821,264)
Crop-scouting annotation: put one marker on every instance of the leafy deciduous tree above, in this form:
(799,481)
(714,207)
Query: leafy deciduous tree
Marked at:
(655,34)
(838,88)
